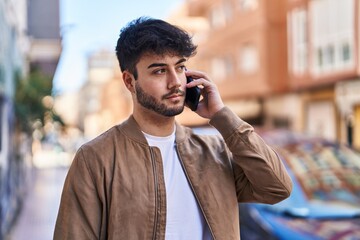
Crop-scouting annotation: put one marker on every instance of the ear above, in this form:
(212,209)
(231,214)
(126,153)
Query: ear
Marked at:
(128,79)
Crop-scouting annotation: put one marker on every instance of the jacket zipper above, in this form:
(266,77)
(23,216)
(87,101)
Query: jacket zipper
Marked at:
(156,192)
(192,188)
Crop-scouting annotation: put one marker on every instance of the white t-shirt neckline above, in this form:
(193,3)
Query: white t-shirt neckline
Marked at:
(184,219)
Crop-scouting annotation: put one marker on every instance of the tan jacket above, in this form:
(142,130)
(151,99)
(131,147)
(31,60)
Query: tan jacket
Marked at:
(115,186)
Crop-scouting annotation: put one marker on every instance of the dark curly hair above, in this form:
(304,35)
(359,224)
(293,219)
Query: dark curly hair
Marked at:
(148,35)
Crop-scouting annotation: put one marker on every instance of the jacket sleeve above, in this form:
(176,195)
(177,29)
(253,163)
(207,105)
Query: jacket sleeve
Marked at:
(79,215)
(259,174)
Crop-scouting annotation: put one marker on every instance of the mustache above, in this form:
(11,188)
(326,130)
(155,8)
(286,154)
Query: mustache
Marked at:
(175,91)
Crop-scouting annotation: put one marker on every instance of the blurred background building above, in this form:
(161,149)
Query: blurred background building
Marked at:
(286,63)
(104,100)
(323,43)
(286,59)
(14,44)
(282,64)
(244,51)
(44,35)
(30,38)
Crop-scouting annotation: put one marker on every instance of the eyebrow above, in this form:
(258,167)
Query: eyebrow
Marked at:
(164,64)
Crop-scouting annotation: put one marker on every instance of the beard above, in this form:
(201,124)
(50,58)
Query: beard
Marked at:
(151,103)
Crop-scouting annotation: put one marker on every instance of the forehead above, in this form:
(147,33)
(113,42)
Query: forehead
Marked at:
(168,59)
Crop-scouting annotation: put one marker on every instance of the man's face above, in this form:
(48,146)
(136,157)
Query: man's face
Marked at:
(160,86)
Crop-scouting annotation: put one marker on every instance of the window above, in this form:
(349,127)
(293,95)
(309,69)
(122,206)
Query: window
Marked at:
(249,59)
(228,10)
(217,17)
(345,52)
(332,35)
(297,29)
(248,5)
(329,55)
(222,68)
(218,67)
(229,66)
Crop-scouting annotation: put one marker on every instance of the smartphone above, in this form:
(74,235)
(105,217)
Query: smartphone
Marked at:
(192,96)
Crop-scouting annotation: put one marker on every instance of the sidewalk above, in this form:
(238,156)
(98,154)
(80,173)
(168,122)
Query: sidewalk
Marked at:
(38,215)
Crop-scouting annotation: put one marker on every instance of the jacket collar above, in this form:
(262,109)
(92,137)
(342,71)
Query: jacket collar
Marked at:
(132,130)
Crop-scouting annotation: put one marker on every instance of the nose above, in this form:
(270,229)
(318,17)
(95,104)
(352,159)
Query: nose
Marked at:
(174,80)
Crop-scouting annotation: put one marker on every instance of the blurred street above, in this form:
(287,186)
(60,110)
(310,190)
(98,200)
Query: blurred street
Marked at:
(38,215)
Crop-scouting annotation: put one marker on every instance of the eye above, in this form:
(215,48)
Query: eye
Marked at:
(181,68)
(159,71)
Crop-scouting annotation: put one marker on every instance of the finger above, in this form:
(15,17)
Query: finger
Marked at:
(200,82)
(196,74)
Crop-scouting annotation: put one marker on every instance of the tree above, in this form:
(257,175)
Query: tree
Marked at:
(29,100)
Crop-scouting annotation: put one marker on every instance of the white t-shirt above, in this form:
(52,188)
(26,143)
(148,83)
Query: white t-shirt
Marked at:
(184,219)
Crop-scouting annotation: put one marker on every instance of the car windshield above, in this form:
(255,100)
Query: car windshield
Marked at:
(326,172)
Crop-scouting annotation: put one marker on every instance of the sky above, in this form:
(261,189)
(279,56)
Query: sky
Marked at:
(88,25)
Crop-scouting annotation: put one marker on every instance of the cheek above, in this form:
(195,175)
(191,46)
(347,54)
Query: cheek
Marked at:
(155,89)
(183,82)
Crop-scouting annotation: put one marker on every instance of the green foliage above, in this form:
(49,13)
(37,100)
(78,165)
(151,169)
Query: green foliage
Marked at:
(29,96)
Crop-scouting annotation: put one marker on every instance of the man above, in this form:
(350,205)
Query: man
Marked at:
(151,178)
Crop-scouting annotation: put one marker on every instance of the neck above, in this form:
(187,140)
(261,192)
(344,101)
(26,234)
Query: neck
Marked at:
(154,124)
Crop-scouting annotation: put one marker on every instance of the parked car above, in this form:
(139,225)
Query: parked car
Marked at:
(325,201)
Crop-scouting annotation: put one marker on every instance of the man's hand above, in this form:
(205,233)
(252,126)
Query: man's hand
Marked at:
(211,102)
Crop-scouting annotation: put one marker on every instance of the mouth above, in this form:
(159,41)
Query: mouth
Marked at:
(174,94)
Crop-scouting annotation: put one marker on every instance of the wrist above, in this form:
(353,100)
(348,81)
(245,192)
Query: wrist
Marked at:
(216,109)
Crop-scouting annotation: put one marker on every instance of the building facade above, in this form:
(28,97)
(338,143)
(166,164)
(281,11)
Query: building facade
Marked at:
(21,25)
(104,101)
(243,49)
(284,63)
(44,34)
(323,42)
(13,64)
